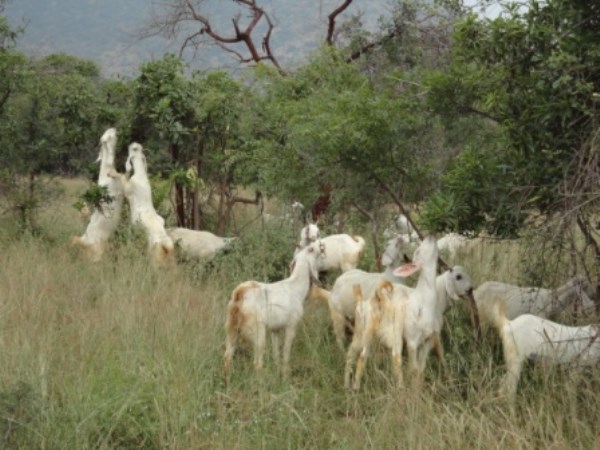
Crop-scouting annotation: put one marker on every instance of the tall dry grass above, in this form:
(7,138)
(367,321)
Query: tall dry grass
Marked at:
(119,355)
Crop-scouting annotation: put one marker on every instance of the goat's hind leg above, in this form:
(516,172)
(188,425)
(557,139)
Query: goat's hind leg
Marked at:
(353,350)
(397,360)
(365,345)
(258,343)
(230,346)
(339,328)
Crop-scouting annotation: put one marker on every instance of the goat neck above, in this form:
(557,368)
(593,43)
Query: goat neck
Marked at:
(108,143)
(139,166)
(427,255)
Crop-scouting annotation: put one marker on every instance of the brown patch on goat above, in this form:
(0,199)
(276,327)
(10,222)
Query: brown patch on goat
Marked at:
(318,294)
(163,254)
(235,318)
(234,323)
(93,251)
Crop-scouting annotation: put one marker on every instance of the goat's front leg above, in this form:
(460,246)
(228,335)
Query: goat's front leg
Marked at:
(290,334)
(353,351)
(422,354)
(121,178)
(439,351)
(276,344)
(366,343)
(511,379)
(413,366)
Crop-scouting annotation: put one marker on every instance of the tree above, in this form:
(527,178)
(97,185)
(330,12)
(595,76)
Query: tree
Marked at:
(327,124)
(534,73)
(49,126)
(198,121)
(170,23)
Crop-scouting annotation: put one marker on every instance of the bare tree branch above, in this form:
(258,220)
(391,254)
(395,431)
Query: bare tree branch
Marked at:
(177,15)
(331,27)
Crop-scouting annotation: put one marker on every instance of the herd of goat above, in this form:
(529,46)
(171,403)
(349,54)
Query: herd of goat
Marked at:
(369,307)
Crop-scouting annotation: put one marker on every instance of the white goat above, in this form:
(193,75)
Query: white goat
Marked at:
(377,317)
(534,338)
(139,194)
(398,313)
(401,226)
(200,245)
(341,300)
(452,242)
(423,319)
(308,234)
(451,285)
(103,221)
(342,251)
(256,307)
(538,301)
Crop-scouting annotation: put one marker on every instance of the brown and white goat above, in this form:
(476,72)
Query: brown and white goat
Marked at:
(404,314)
(255,308)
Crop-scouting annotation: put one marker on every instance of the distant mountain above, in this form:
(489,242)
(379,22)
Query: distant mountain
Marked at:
(102,30)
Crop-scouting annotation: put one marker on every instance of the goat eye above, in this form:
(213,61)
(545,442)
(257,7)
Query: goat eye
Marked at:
(459,277)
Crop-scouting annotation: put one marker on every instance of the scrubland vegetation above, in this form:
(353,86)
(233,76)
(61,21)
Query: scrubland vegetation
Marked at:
(120,355)
(477,126)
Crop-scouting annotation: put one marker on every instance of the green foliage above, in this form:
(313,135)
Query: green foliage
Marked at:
(23,198)
(19,412)
(262,254)
(475,194)
(54,118)
(329,124)
(93,198)
(160,195)
(533,72)
(164,103)
(120,355)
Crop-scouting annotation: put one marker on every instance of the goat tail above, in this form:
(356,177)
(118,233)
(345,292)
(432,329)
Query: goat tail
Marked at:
(163,253)
(318,294)
(382,293)
(94,250)
(235,317)
(360,241)
(358,295)
(76,241)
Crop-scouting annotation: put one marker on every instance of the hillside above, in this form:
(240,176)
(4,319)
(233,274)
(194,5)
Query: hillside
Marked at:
(102,30)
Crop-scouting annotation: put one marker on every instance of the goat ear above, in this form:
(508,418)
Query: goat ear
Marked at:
(128,165)
(406,270)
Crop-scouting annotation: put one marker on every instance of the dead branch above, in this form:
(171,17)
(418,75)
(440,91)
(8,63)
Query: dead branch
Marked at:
(170,22)
(331,27)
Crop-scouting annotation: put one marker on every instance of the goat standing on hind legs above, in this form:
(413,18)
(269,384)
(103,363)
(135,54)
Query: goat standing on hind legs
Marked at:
(256,307)
(139,194)
(106,217)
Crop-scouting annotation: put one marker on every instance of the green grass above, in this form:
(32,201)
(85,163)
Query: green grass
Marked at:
(119,355)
